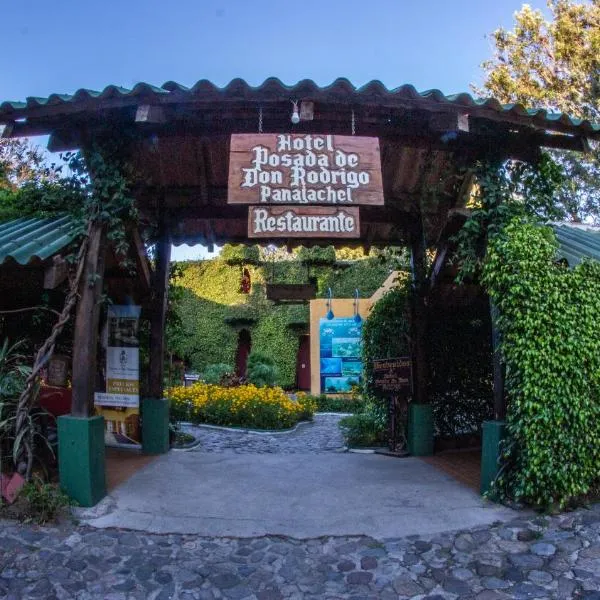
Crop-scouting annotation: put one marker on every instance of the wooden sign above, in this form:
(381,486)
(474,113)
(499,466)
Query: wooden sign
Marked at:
(304,169)
(58,370)
(303,222)
(393,376)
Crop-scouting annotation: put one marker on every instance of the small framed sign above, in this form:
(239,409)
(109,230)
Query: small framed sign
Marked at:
(393,376)
(58,370)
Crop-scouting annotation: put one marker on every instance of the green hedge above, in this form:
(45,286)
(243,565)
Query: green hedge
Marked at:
(212,310)
(548,321)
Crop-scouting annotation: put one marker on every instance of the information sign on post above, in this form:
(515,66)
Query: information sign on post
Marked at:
(392,379)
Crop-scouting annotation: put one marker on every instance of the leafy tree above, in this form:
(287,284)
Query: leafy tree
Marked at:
(555,64)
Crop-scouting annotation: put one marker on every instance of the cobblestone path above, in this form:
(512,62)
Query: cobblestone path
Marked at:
(543,557)
(322,435)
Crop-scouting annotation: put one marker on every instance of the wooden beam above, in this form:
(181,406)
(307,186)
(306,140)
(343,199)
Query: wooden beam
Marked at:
(55,273)
(419,318)
(449,122)
(143,268)
(159,313)
(87,318)
(150,113)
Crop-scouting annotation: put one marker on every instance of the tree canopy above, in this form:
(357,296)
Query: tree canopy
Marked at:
(555,64)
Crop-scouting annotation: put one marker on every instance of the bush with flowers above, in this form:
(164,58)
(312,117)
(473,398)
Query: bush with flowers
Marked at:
(242,406)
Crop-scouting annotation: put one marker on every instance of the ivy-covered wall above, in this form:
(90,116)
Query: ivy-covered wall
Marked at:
(548,322)
(212,310)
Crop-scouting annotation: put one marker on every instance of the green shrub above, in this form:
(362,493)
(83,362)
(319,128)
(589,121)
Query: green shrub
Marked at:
(215,373)
(45,501)
(338,404)
(261,370)
(363,430)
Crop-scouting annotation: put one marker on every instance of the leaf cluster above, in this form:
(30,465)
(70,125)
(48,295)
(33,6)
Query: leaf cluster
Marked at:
(502,192)
(555,64)
(549,341)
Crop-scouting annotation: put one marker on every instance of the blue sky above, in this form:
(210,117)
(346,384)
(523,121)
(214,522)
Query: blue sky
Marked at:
(65,45)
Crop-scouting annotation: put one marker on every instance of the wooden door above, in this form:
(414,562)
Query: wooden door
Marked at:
(303,364)
(243,350)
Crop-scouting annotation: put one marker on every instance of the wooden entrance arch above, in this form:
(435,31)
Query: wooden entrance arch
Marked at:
(180,151)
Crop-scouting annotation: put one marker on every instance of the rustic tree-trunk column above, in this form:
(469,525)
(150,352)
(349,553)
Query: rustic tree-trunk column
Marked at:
(155,408)
(419,275)
(158,315)
(81,459)
(85,340)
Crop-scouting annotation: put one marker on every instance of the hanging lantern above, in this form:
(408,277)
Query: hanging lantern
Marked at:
(245,282)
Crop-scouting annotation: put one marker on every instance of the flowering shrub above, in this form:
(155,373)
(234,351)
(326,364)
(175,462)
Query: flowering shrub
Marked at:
(242,406)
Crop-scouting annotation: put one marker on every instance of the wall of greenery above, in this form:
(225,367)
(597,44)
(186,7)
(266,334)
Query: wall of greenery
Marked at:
(210,310)
(549,317)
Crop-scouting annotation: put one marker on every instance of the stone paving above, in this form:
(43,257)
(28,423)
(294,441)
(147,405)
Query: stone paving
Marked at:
(322,435)
(541,557)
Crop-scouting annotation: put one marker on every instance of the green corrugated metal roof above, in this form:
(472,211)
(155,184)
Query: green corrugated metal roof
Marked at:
(577,243)
(30,240)
(341,90)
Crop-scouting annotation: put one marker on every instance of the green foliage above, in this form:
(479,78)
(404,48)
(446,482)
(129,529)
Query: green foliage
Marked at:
(45,501)
(214,373)
(366,276)
(261,369)
(386,332)
(548,322)
(317,255)
(554,64)
(366,428)
(240,254)
(339,404)
(13,374)
(503,192)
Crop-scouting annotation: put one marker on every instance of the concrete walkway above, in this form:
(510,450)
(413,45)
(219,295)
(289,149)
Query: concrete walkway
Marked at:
(302,495)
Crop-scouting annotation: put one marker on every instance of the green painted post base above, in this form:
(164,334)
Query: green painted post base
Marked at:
(81,458)
(492,435)
(420,429)
(155,425)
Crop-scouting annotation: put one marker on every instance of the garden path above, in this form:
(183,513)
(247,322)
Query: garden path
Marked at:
(322,435)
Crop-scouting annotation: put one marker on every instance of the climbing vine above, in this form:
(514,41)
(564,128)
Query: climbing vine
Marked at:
(549,317)
(99,180)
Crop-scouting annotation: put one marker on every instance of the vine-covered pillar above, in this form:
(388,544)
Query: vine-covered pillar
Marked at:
(419,319)
(498,368)
(155,408)
(493,431)
(420,417)
(81,434)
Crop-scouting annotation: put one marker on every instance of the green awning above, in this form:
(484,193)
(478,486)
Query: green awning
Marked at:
(577,243)
(30,240)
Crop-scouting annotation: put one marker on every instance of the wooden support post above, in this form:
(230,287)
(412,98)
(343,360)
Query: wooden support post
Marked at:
(498,369)
(158,316)
(85,340)
(419,315)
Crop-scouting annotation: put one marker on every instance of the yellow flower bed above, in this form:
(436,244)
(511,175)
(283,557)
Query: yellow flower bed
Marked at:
(242,406)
